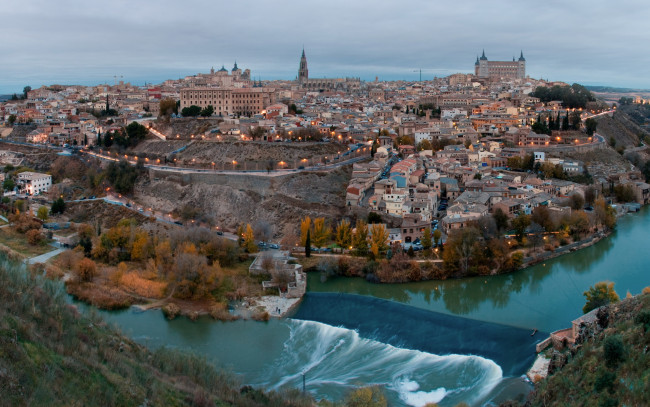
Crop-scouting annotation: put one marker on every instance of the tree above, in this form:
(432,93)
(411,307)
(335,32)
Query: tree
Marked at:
(85,269)
(34,237)
(360,238)
(12,119)
(590,195)
(605,214)
(591,125)
(42,213)
(437,235)
(614,351)
(501,219)
(577,201)
(207,111)
(343,234)
(58,206)
(8,184)
(191,111)
(373,217)
(305,226)
(602,293)
(378,239)
(322,233)
(520,223)
(167,107)
(426,239)
(459,249)
(249,239)
(308,244)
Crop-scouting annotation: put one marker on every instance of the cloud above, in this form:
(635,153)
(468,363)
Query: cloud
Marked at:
(87,42)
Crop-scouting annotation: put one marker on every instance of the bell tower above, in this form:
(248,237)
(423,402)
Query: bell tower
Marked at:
(303,72)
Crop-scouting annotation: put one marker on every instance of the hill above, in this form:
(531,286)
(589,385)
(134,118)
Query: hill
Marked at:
(51,354)
(609,367)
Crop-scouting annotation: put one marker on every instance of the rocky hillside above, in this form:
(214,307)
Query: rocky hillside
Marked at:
(185,127)
(229,200)
(53,355)
(609,367)
(622,128)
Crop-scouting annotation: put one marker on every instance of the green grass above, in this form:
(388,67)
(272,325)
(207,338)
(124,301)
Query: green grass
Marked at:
(52,355)
(18,242)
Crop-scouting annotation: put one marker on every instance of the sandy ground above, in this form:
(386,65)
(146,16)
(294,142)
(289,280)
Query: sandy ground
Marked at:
(272,304)
(540,368)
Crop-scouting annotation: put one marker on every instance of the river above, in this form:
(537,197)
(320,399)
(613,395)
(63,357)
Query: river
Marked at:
(445,341)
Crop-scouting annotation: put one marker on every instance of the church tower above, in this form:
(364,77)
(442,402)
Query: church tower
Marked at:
(303,72)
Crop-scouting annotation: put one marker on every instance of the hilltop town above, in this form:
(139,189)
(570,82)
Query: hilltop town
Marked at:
(224,150)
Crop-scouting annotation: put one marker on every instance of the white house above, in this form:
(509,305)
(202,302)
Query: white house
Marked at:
(34,183)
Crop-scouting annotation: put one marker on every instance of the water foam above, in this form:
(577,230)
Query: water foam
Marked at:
(335,360)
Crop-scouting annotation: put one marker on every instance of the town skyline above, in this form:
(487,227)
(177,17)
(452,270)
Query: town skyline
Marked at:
(145,44)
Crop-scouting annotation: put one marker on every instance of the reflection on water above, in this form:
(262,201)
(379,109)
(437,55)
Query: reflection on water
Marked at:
(546,296)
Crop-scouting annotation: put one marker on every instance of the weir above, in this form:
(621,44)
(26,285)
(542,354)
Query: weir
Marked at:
(513,349)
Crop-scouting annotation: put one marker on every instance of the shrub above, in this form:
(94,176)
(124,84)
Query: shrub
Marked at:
(614,351)
(605,380)
(86,269)
(171,310)
(34,237)
(643,318)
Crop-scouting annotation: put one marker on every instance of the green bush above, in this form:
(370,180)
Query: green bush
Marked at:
(614,351)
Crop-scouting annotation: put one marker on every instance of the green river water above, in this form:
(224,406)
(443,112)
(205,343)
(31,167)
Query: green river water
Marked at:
(340,354)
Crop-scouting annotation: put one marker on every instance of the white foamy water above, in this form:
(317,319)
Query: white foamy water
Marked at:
(335,360)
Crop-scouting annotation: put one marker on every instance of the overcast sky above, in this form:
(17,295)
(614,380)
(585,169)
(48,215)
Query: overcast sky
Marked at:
(86,42)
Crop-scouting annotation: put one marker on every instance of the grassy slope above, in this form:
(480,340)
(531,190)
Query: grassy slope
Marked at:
(52,355)
(587,381)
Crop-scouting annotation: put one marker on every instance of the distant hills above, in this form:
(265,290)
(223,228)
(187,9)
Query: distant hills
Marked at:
(610,89)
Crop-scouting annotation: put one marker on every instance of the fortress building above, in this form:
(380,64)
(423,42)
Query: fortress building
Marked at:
(324,84)
(500,69)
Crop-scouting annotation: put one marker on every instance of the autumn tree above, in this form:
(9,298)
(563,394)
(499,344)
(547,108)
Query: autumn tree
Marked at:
(378,239)
(577,201)
(605,214)
(249,239)
(426,239)
(360,238)
(168,106)
(321,233)
(42,213)
(437,235)
(85,269)
(141,249)
(542,216)
(343,234)
(602,293)
(34,237)
(459,249)
(305,225)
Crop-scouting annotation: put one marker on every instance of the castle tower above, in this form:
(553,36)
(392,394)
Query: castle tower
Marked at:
(521,71)
(303,72)
(483,70)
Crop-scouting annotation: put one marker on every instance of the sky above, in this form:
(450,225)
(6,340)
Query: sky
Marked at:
(44,42)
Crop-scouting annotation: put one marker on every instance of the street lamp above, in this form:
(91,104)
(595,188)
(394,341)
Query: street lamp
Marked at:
(233,164)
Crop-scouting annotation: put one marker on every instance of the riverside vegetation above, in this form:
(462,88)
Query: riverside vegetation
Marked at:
(51,354)
(491,245)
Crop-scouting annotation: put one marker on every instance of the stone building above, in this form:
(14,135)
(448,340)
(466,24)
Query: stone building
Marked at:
(225,101)
(500,69)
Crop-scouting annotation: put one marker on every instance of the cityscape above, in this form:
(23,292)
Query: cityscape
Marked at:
(310,224)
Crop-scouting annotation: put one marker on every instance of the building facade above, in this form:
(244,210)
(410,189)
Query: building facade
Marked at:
(225,101)
(500,69)
(34,183)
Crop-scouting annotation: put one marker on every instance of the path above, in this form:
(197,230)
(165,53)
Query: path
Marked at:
(45,257)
